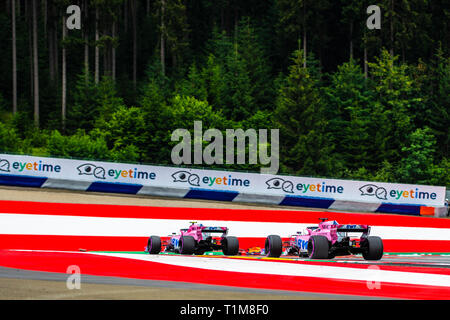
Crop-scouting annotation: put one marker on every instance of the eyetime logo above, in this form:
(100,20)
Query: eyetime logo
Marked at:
(289,187)
(36,166)
(185,176)
(195,180)
(89,169)
(278,183)
(4,165)
(373,190)
(382,194)
(99,172)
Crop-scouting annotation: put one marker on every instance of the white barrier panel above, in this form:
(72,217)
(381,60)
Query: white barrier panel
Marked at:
(215,184)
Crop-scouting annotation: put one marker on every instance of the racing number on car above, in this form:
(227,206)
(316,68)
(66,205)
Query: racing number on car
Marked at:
(302,244)
(175,242)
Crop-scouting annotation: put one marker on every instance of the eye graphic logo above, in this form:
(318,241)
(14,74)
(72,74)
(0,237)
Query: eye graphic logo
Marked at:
(185,176)
(373,190)
(4,165)
(278,183)
(91,170)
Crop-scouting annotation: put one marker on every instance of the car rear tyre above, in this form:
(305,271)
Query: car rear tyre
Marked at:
(154,245)
(230,246)
(372,248)
(273,246)
(318,247)
(187,245)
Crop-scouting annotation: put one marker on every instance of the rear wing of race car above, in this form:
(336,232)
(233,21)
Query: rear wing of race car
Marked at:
(215,229)
(353,228)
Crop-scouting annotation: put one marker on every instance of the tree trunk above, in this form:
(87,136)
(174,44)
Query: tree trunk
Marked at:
(50,43)
(64,84)
(133,14)
(125,15)
(304,36)
(113,52)
(403,54)
(365,62)
(14,56)
(55,45)
(29,17)
(44,12)
(35,65)
(236,24)
(392,29)
(86,41)
(106,54)
(351,40)
(222,19)
(51,56)
(53,42)
(163,42)
(97,49)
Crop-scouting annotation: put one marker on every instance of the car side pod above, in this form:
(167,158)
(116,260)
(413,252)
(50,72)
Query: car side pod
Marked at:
(154,245)
(273,246)
(372,248)
(318,247)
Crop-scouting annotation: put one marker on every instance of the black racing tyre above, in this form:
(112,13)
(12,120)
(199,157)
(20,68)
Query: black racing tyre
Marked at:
(372,248)
(187,245)
(273,246)
(154,245)
(230,246)
(318,247)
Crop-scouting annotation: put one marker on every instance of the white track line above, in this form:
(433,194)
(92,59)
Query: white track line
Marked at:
(33,224)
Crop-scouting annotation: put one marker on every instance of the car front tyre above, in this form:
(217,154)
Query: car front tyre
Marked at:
(273,246)
(187,245)
(154,245)
(318,247)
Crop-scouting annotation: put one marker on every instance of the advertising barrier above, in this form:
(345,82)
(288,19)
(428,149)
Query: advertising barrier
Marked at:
(29,171)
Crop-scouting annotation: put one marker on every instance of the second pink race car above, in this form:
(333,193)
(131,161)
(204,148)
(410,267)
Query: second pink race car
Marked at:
(197,239)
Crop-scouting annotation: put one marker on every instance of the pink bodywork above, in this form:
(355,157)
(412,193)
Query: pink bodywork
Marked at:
(328,229)
(197,231)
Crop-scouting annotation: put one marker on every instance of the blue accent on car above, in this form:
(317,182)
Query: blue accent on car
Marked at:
(175,242)
(302,244)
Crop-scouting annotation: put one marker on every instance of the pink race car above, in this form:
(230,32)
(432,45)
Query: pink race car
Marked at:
(326,241)
(197,239)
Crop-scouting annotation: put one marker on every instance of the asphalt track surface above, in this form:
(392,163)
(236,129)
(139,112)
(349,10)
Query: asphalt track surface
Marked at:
(23,284)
